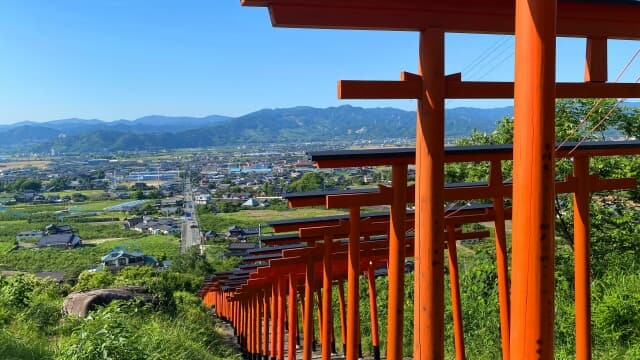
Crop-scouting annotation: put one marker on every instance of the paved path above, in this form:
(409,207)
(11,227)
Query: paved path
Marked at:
(190,228)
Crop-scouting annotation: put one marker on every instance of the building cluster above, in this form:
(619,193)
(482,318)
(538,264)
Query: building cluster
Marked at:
(57,236)
(154,226)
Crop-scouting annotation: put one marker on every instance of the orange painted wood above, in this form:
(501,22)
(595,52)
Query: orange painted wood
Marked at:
(532,292)
(456,303)
(428,331)
(281,314)
(397,231)
(597,90)
(275,318)
(581,248)
(504,90)
(373,306)
(307,331)
(595,67)
(502,258)
(258,324)
(343,315)
(245,324)
(376,161)
(364,199)
(327,310)
(353,284)
(319,300)
(292,318)
(574,18)
(265,324)
(307,201)
(363,89)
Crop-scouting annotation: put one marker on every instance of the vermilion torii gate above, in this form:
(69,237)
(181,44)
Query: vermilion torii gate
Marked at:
(535,23)
(293,261)
(336,226)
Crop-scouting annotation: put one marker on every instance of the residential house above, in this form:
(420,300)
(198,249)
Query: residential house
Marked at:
(255,203)
(54,198)
(118,258)
(132,222)
(239,233)
(63,240)
(165,226)
(251,203)
(202,199)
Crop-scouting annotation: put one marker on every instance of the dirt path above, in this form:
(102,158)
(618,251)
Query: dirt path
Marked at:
(100,241)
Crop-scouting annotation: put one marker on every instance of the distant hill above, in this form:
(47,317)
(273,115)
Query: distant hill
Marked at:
(296,124)
(147,124)
(26,135)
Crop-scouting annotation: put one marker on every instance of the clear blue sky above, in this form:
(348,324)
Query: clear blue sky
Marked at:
(113,59)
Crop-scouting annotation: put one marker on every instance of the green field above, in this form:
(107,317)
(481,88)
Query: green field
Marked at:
(87,193)
(98,205)
(5,247)
(34,208)
(85,257)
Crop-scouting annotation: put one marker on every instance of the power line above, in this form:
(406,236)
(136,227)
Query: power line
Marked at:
(484,55)
(615,106)
(597,103)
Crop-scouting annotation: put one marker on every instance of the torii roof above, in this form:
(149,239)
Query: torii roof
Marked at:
(388,156)
(596,18)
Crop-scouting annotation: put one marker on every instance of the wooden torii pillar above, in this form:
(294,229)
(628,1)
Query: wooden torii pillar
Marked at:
(595,72)
(428,88)
(429,265)
(533,236)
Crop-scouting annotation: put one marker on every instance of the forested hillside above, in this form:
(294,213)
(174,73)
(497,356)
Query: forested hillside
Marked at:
(288,125)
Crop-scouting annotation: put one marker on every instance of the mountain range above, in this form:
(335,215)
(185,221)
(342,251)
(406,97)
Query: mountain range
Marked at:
(296,124)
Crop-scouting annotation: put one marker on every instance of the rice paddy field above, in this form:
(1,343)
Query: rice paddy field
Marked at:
(102,231)
(40,164)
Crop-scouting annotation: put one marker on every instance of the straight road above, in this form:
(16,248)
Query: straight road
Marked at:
(190,228)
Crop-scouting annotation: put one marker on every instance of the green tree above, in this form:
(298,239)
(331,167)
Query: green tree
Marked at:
(192,263)
(310,181)
(268,189)
(95,280)
(27,184)
(139,195)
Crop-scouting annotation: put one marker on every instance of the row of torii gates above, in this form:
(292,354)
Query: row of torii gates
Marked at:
(527,296)
(310,255)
